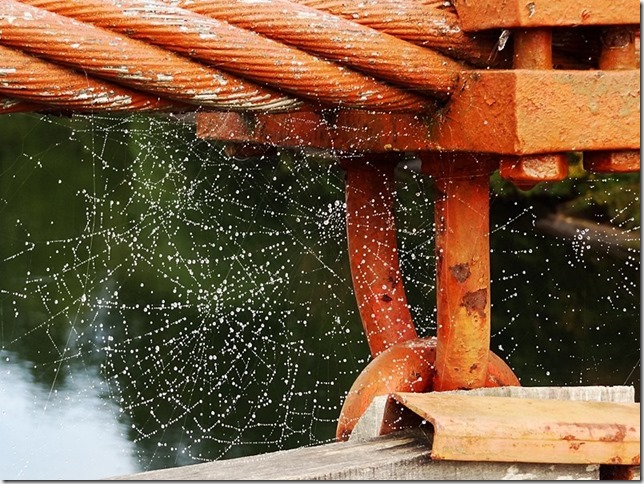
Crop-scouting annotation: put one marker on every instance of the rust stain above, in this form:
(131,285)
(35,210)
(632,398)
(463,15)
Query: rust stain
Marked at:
(618,436)
(576,445)
(461,272)
(475,302)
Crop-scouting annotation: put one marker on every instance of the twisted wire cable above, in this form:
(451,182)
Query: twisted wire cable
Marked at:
(127,61)
(362,48)
(39,81)
(238,51)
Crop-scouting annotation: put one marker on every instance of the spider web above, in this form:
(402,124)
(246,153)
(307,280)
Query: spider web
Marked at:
(199,305)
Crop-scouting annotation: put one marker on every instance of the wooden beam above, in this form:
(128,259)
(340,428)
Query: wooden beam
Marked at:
(399,456)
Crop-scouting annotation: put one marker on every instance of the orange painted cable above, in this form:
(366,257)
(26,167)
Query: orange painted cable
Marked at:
(9,105)
(430,23)
(239,51)
(105,54)
(28,78)
(362,48)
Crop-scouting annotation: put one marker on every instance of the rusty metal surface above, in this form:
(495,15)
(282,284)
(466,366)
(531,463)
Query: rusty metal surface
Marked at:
(487,14)
(612,161)
(528,170)
(462,228)
(535,111)
(405,367)
(507,112)
(477,428)
(532,49)
(373,251)
(346,130)
(618,48)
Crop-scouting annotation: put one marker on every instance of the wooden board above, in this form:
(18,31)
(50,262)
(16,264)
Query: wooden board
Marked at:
(400,456)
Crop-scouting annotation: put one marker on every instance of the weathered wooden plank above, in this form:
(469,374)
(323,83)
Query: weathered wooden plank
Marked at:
(399,456)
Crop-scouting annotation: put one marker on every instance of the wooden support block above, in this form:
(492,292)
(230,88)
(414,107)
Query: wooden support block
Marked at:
(370,424)
(494,14)
(516,112)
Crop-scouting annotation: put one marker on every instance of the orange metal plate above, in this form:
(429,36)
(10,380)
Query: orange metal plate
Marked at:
(348,131)
(501,429)
(489,14)
(515,112)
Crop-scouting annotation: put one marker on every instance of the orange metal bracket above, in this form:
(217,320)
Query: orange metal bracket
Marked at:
(462,226)
(501,429)
(535,111)
(489,14)
(408,366)
(515,112)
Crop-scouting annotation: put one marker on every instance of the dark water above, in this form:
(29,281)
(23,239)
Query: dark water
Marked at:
(162,305)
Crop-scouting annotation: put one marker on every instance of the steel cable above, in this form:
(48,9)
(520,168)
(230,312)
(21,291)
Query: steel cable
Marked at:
(362,48)
(239,51)
(105,54)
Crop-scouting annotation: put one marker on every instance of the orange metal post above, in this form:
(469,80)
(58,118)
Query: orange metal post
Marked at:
(533,49)
(373,252)
(462,267)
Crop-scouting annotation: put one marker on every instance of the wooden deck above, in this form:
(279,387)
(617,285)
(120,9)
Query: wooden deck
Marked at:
(403,455)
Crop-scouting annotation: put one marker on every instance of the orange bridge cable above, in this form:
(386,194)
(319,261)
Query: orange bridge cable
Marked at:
(362,48)
(28,78)
(429,23)
(105,54)
(9,105)
(239,51)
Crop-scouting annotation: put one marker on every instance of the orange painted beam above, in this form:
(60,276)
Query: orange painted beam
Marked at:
(535,111)
(494,14)
(516,112)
